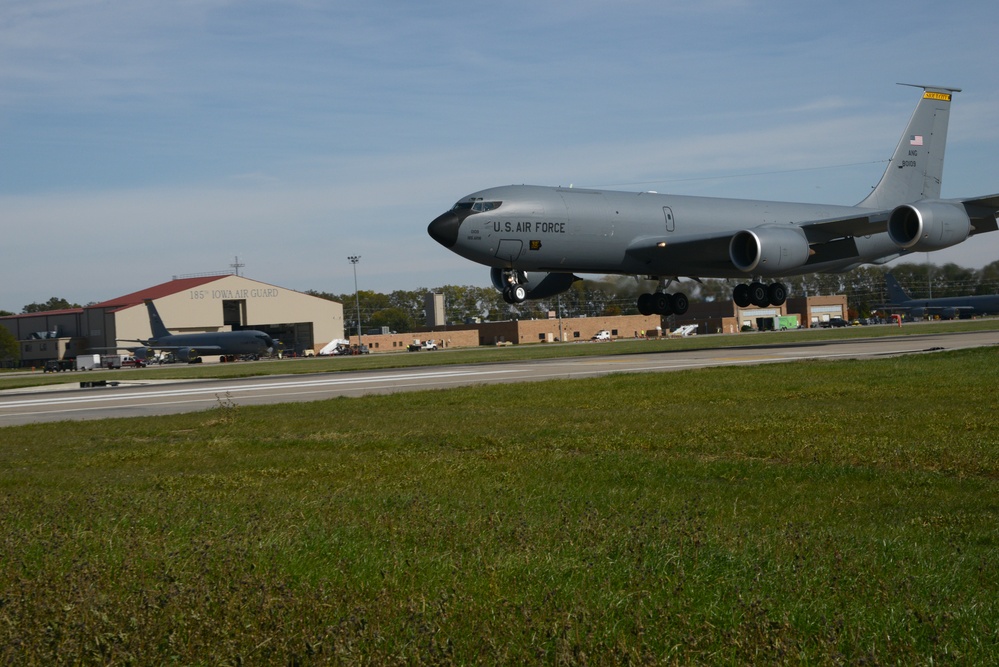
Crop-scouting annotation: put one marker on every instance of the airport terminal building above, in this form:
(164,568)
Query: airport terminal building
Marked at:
(186,305)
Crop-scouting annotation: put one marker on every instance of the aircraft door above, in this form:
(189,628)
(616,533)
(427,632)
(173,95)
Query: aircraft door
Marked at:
(509,249)
(670,221)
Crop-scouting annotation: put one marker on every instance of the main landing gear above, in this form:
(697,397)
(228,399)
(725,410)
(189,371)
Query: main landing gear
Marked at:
(661,303)
(760,295)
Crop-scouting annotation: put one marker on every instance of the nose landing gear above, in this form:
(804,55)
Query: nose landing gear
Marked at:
(511,285)
(514,294)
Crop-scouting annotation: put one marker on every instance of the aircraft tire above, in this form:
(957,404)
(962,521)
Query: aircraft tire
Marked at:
(679,303)
(645,304)
(741,295)
(758,295)
(777,294)
(519,294)
(661,303)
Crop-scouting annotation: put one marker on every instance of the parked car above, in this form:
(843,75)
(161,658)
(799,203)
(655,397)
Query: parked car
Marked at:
(835,322)
(602,335)
(58,365)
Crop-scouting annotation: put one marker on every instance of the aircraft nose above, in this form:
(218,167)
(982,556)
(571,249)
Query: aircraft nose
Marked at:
(444,229)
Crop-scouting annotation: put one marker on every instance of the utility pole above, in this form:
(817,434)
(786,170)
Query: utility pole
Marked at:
(236,265)
(354,259)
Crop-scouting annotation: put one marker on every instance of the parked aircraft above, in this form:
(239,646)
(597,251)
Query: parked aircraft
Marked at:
(947,307)
(189,346)
(535,239)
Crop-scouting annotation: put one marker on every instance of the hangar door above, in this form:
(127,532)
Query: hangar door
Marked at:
(234,313)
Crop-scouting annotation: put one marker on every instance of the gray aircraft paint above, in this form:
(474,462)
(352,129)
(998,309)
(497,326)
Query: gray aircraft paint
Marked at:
(571,230)
(186,346)
(947,307)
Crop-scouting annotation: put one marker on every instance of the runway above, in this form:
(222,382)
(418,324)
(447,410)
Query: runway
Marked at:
(147,398)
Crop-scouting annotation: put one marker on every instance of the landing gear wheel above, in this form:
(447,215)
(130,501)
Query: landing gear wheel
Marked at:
(758,295)
(645,306)
(514,294)
(661,304)
(741,295)
(679,303)
(777,294)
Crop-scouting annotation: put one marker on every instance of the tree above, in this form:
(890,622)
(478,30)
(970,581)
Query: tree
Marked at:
(5,313)
(397,320)
(55,303)
(10,351)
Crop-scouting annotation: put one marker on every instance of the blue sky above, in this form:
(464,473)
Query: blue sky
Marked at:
(145,139)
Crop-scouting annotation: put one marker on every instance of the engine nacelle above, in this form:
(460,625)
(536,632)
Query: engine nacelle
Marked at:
(538,285)
(769,250)
(928,225)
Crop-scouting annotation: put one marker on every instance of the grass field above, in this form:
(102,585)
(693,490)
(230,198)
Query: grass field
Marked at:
(821,513)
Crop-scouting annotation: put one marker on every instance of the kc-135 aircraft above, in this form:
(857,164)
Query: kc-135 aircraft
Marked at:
(556,232)
(189,346)
(947,307)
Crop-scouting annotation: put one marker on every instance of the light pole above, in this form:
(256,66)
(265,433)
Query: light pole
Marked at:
(354,259)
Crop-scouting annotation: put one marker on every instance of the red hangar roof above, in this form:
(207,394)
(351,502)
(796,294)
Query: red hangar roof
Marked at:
(157,292)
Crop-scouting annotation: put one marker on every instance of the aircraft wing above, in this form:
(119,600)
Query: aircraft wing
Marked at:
(708,251)
(983,212)
(210,349)
(831,240)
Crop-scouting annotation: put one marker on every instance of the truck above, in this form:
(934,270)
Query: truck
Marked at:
(58,365)
(88,362)
(425,345)
(110,361)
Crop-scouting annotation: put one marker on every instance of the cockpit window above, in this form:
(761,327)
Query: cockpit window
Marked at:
(477,206)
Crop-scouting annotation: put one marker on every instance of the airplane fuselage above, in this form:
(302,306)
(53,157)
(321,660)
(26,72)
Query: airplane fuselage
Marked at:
(536,228)
(953,306)
(229,342)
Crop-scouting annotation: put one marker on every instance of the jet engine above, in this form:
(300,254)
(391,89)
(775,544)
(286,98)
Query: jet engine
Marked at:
(928,225)
(188,355)
(769,250)
(538,285)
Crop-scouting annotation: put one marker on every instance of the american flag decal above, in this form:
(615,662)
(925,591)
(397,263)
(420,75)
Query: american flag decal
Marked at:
(916,140)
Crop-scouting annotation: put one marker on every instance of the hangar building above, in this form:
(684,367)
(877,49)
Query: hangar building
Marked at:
(186,305)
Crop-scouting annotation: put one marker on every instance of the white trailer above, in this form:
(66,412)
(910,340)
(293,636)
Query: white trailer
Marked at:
(88,362)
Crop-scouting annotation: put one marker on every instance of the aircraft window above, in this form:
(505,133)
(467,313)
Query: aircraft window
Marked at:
(462,206)
(486,206)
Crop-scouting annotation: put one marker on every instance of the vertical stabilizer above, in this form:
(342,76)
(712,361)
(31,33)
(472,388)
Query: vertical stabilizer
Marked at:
(155,323)
(896,294)
(916,168)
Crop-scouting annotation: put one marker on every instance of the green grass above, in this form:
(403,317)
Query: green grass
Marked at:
(815,512)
